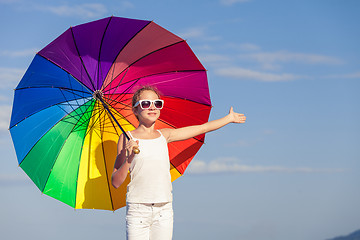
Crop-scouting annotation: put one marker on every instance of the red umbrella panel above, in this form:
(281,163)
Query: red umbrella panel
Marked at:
(74,102)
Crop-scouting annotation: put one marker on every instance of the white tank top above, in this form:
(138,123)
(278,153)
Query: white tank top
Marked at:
(150,173)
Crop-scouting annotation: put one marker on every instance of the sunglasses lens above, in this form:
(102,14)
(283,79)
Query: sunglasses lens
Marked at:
(145,104)
(158,104)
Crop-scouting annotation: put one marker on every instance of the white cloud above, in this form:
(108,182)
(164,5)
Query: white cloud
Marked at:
(193,33)
(9,1)
(87,10)
(269,63)
(202,47)
(5,112)
(125,5)
(355,75)
(271,60)
(198,33)
(14,178)
(214,58)
(4,98)
(247,74)
(249,47)
(19,53)
(269,131)
(242,143)
(232,2)
(232,165)
(9,77)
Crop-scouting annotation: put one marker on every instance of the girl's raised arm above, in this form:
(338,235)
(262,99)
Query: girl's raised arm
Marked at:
(184,133)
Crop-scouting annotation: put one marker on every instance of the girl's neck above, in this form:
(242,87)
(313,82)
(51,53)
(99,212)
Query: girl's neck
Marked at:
(144,132)
(144,128)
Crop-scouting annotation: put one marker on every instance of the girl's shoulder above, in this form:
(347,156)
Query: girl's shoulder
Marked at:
(166,132)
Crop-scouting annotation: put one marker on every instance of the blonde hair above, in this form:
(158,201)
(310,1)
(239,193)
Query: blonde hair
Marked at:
(137,93)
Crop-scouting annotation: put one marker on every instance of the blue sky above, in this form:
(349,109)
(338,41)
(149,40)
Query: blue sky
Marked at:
(290,172)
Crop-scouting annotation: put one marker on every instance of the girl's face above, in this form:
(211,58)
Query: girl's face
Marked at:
(151,114)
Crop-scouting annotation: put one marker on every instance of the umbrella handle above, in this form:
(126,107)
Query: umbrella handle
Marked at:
(136,150)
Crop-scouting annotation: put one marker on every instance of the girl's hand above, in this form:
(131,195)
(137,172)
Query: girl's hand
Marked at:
(130,146)
(236,117)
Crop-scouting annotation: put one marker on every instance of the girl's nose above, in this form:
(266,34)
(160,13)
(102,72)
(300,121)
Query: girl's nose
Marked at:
(152,106)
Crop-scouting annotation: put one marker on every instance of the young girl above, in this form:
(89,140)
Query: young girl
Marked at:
(149,213)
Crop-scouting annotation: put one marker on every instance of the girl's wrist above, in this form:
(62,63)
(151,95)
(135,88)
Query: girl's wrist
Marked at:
(129,159)
(229,119)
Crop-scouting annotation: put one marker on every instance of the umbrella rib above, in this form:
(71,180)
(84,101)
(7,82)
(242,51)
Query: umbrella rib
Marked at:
(62,119)
(102,126)
(79,115)
(118,114)
(101,43)
(112,122)
(60,88)
(175,169)
(82,62)
(125,106)
(66,100)
(99,111)
(96,111)
(143,56)
(121,96)
(119,84)
(117,99)
(138,79)
(42,190)
(123,49)
(73,92)
(82,84)
(57,104)
(78,170)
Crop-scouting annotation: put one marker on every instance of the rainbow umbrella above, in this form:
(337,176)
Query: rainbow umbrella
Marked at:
(74,101)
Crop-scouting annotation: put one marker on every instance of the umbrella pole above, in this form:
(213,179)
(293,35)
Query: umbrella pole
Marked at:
(98,95)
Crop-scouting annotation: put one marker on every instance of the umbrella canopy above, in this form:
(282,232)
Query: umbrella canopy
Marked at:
(68,105)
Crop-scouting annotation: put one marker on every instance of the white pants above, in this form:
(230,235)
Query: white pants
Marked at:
(149,221)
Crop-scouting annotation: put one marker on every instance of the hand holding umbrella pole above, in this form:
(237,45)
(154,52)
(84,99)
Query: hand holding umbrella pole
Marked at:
(99,96)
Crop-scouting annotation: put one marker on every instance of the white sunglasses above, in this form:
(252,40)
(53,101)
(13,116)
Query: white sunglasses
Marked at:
(145,104)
